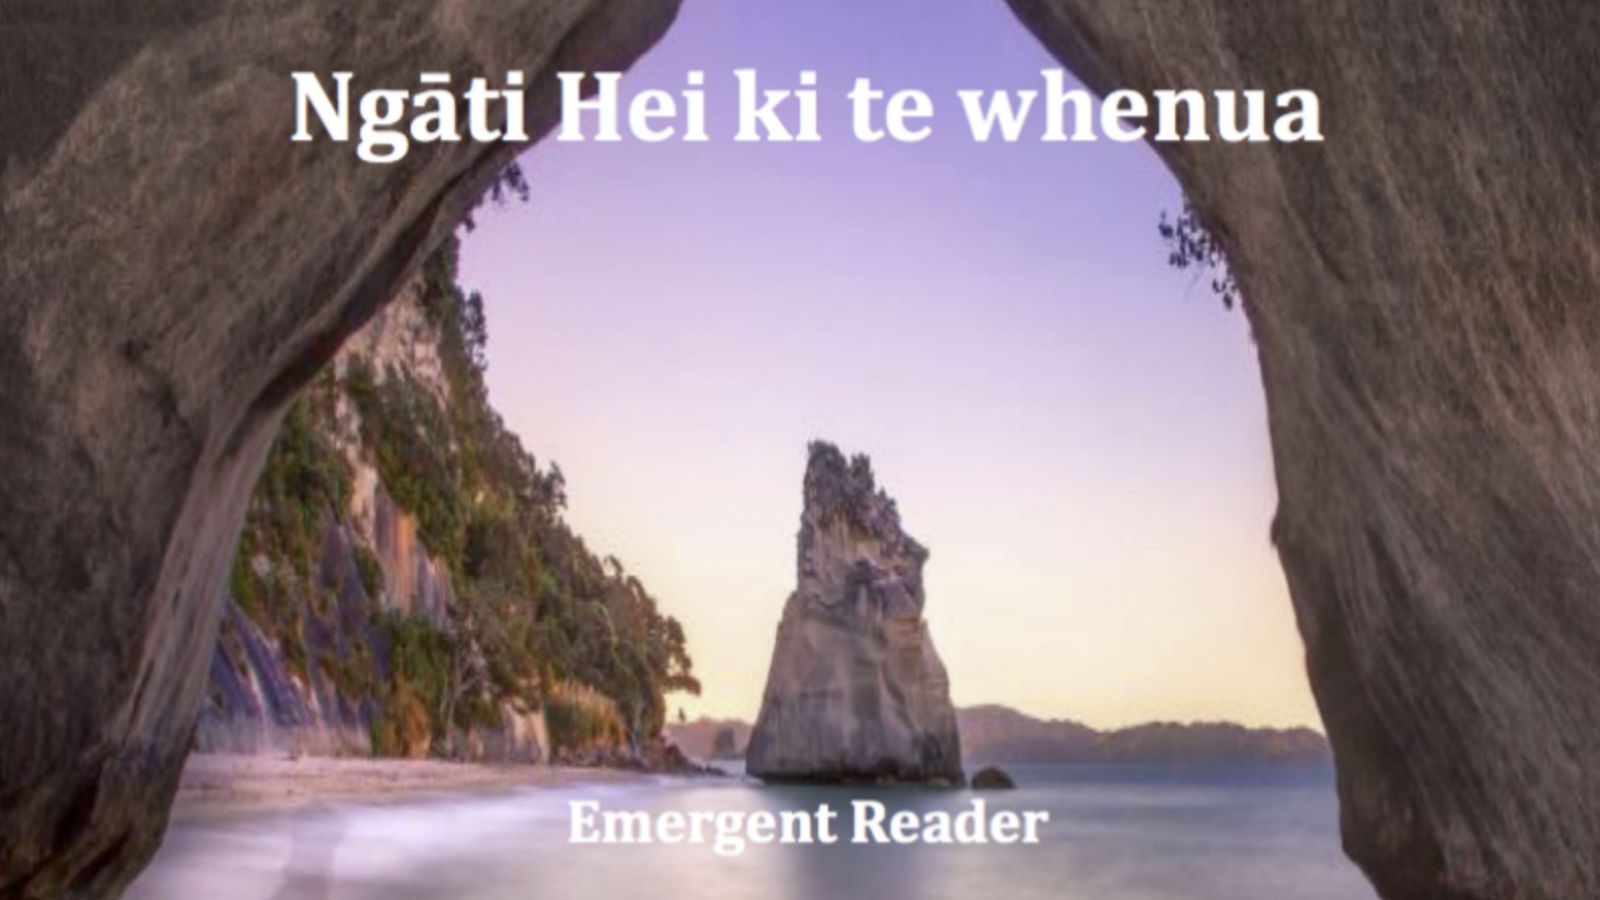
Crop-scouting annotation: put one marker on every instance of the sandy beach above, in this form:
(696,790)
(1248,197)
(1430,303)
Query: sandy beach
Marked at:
(217,781)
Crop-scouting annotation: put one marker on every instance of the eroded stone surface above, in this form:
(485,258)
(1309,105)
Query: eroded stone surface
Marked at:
(1424,290)
(856,691)
(172,270)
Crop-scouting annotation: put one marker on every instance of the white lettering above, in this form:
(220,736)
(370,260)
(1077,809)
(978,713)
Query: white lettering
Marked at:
(1000,110)
(1120,105)
(1308,117)
(335,119)
(573,106)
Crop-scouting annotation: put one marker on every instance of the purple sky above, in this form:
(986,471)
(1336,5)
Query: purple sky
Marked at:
(1075,431)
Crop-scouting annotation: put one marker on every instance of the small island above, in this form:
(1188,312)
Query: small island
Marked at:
(856,692)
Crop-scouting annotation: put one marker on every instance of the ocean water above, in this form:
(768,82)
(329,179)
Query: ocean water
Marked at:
(1115,833)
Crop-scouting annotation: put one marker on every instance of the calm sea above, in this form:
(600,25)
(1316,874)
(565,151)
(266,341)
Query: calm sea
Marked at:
(1120,833)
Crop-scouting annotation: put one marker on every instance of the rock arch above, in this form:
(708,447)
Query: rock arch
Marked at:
(1424,289)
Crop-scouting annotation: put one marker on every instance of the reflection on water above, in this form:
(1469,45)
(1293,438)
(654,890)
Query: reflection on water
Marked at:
(1114,834)
(309,873)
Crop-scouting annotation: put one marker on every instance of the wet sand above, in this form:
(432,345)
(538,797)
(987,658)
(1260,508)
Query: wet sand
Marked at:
(215,782)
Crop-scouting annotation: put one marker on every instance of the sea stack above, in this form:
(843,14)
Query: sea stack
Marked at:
(856,692)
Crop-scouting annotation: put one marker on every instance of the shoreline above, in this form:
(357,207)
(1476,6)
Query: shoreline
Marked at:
(220,783)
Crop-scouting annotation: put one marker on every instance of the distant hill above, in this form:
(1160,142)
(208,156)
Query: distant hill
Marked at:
(999,734)
(698,739)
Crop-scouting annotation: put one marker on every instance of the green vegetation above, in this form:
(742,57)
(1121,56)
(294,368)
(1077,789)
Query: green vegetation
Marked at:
(533,608)
(577,718)
(305,485)
(1190,244)
(534,600)
(370,571)
(421,676)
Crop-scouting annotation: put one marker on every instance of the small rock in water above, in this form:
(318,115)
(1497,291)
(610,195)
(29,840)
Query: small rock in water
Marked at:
(992,778)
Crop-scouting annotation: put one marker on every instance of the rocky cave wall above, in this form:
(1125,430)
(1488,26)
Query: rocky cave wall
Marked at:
(174,269)
(1424,291)
(1422,288)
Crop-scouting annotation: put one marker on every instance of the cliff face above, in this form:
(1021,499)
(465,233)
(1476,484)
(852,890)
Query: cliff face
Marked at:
(1422,289)
(856,691)
(317,677)
(406,584)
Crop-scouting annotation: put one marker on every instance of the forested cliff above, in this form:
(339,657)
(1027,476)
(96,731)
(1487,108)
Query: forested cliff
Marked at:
(405,583)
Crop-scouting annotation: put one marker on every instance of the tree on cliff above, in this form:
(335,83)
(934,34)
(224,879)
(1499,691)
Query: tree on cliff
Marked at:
(548,610)
(1191,244)
(511,183)
(534,609)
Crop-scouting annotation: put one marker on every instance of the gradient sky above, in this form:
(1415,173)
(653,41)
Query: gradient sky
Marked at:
(1076,431)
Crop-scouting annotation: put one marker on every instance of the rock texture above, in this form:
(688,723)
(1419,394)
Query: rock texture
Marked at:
(258,700)
(856,691)
(174,270)
(1424,290)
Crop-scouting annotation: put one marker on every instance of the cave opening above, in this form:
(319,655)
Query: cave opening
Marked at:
(1426,382)
(997,326)
(1076,430)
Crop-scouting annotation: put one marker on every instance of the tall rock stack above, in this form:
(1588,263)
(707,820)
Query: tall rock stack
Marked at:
(856,692)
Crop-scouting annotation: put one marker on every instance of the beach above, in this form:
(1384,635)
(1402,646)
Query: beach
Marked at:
(219,781)
(314,829)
